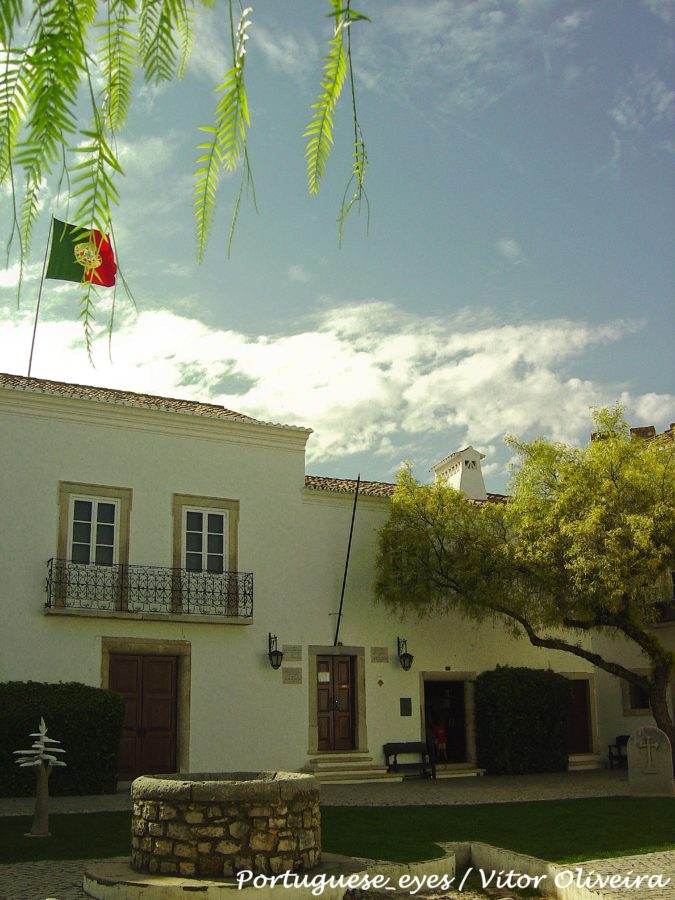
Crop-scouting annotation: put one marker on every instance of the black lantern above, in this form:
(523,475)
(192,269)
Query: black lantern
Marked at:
(405,658)
(273,652)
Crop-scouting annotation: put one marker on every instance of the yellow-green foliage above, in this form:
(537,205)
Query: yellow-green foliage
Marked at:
(580,547)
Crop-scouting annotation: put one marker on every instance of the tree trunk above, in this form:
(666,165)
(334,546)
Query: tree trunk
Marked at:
(40,826)
(658,700)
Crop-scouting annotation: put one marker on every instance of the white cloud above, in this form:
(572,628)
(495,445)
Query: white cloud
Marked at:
(469,54)
(10,277)
(148,156)
(210,56)
(664,9)
(293,54)
(299,273)
(366,378)
(646,101)
(509,249)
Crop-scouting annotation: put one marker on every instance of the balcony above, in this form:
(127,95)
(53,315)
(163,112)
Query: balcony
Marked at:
(147,591)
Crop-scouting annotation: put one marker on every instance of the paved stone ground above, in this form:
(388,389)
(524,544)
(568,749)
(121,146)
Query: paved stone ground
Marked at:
(629,867)
(482,789)
(63,880)
(42,880)
(412,792)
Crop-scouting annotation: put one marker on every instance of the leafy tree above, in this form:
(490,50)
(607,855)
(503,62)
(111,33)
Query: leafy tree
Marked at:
(579,550)
(58,57)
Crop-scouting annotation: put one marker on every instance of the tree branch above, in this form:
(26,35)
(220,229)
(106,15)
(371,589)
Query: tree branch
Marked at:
(560,644)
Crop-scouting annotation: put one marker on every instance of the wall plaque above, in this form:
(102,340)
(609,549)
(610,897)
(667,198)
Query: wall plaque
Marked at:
(292,652)
(379,654)
(291,676)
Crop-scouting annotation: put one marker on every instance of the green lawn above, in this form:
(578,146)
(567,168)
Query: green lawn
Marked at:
(556,830)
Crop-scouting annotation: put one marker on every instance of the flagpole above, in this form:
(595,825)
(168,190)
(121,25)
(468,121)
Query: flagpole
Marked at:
(42,281)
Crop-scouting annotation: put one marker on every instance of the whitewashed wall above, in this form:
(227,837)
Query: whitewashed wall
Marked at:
(294,541)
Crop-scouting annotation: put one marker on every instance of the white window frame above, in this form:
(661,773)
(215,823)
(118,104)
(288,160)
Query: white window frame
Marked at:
(205,512)
(94,500)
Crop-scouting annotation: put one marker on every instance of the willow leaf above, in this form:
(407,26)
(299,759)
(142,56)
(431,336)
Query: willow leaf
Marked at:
(227,147)
(319,132)
(118,52)
(159,24)
(207,178)
(10,15)
(93,184)
(13,107)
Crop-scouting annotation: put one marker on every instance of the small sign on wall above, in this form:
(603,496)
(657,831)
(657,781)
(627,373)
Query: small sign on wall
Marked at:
(323,677)
(406,706)
(293,652)
(379,654)
(291,675)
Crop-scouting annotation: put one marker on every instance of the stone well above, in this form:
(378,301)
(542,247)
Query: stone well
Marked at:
(214,825)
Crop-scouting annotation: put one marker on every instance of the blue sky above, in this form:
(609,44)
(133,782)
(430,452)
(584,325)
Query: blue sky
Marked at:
(517,271)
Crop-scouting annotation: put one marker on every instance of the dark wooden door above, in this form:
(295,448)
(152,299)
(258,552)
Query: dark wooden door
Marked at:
(444,704)
(335,698)
(579,735)
(148,686)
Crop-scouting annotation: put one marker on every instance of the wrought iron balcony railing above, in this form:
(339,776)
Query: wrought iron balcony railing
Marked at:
(148,589)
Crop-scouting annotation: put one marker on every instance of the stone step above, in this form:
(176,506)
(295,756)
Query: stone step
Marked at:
(351,767)
(583,761)
(457,770)
(336,760)
(355,776)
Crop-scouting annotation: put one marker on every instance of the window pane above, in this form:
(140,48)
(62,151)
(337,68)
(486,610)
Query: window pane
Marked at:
(80,553)
(82,510)
(639,698)
(216,543)
(104,556)
(193,562)
(106,512)
(193,542)
(214,563)
(105,534)
(195,521)
(81,532)
(215,523)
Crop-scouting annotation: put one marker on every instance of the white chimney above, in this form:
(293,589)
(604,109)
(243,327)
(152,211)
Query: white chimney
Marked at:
(461,470)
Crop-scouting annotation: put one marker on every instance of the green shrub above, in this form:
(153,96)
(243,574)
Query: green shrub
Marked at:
(86,720)
(522,720)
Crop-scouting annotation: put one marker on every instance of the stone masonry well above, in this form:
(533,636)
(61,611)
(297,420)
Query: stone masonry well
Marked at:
(214,825)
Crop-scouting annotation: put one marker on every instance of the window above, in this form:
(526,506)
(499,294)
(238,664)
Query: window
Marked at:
(93,531)
(205,555)
(638,698)
(635,699)
(205,540)
(205,533)
(93,541)
(93,523)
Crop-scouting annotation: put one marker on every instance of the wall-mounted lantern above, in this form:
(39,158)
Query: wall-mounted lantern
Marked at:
(275,655)
(405,658)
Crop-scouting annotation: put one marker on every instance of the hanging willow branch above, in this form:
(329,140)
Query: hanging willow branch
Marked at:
(60,57)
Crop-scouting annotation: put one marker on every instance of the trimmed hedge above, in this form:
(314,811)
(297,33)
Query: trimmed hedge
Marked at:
(87,721)
(522,720)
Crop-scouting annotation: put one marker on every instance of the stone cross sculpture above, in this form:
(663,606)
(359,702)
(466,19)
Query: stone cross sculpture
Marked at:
(650,762)
(42,759)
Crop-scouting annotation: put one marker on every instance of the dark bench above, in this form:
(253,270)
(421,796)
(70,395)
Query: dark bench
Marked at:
(617,753)
(424,763)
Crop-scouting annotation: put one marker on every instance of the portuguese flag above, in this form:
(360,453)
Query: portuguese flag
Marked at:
(78,254)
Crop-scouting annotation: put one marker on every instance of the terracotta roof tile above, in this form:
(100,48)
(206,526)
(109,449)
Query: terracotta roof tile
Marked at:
(348,486)
(129,398)
(369,488)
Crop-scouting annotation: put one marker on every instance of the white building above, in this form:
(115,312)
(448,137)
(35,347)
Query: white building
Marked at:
(161,497)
